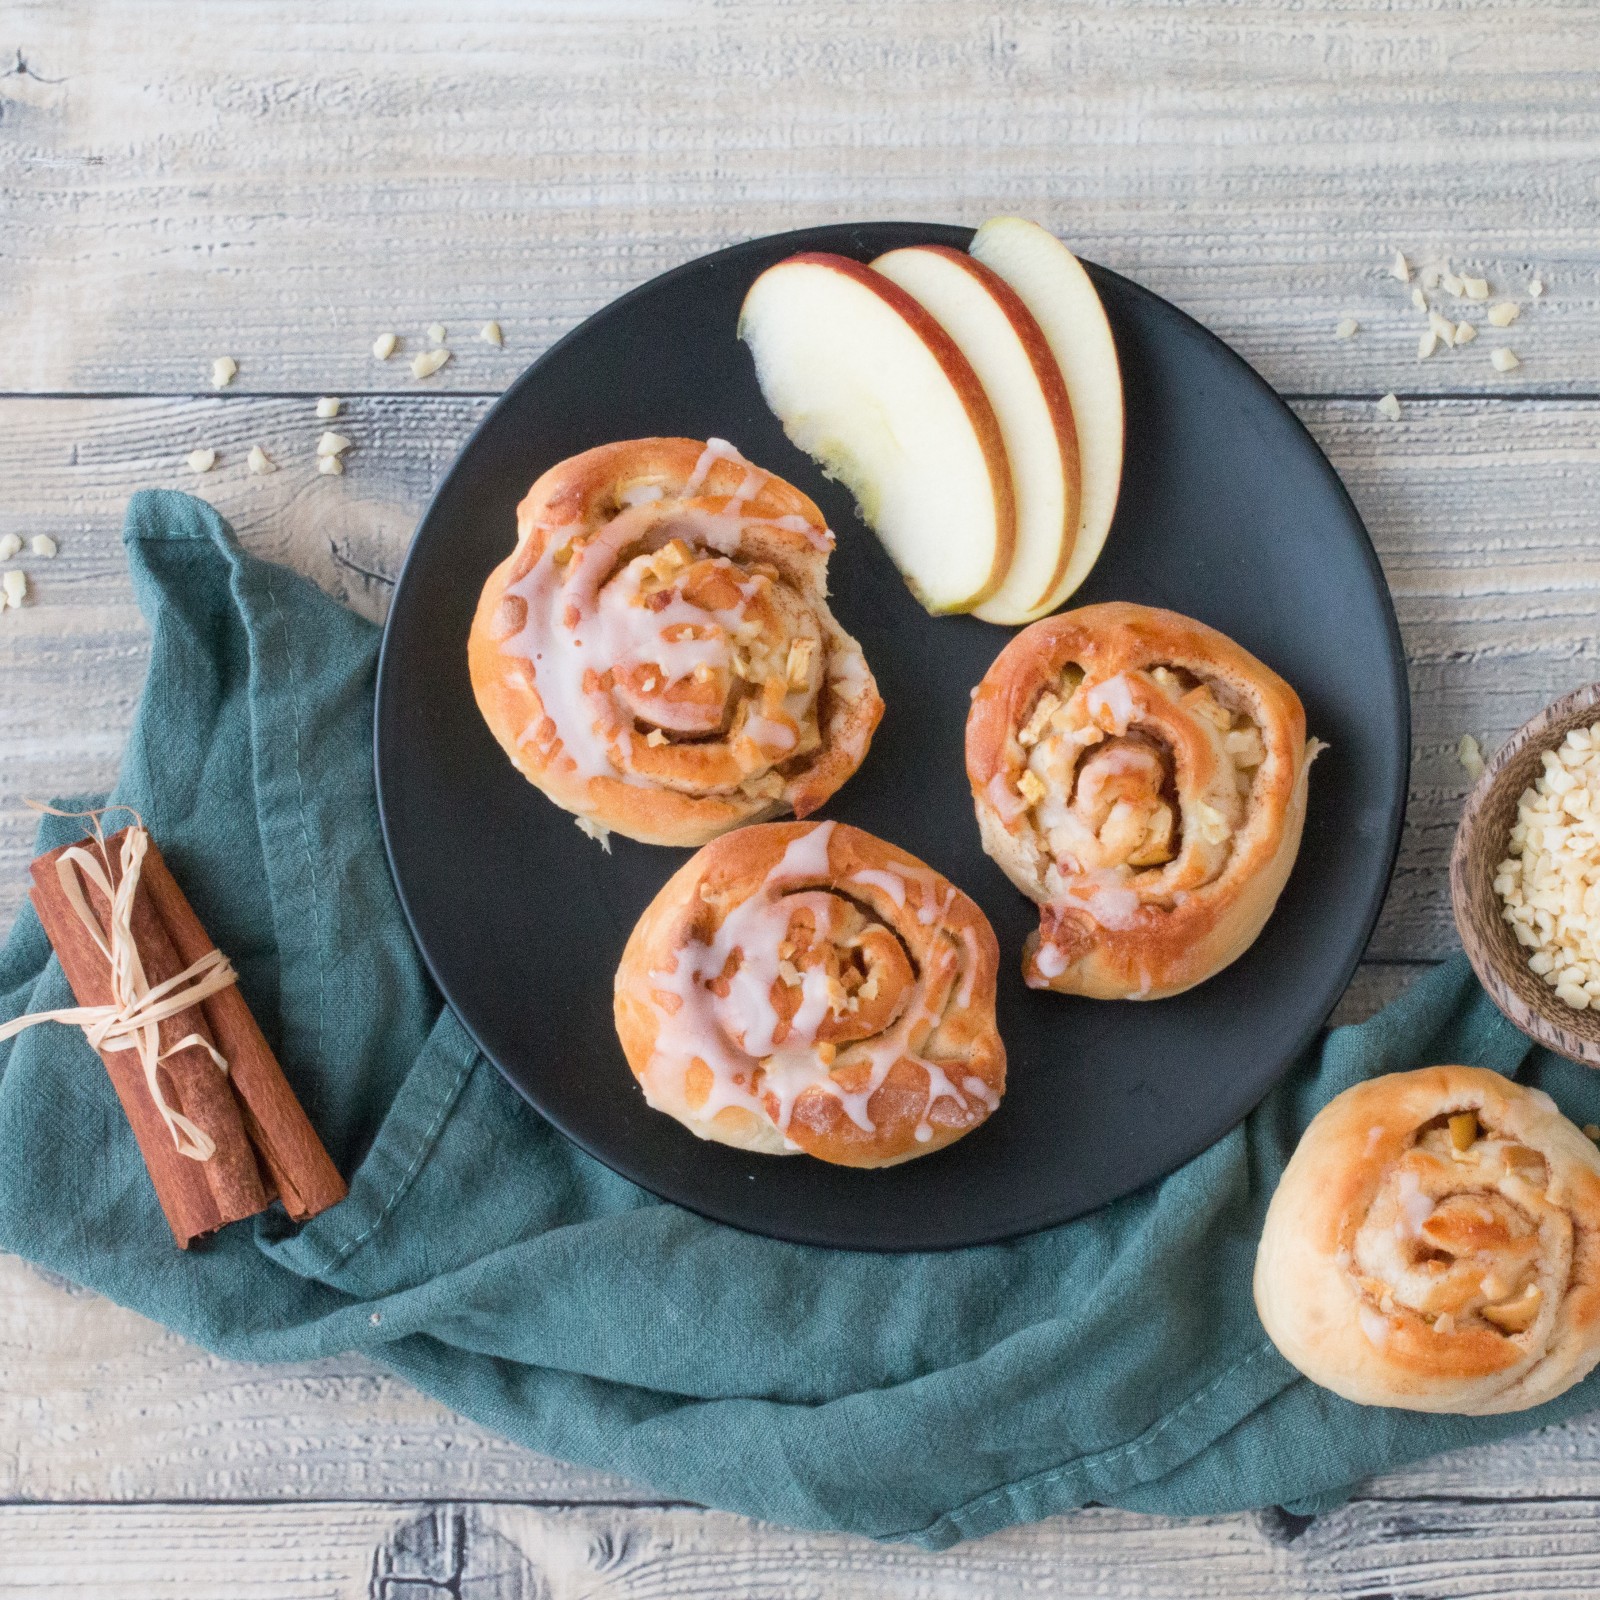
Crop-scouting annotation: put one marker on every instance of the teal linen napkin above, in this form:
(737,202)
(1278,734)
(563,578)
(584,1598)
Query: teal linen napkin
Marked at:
(1117,1359)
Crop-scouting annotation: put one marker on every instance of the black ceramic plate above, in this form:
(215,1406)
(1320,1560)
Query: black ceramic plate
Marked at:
(1229,512)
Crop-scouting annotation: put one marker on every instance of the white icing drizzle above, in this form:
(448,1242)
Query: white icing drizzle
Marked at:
(1107,899)
(741,1036)
(716,450)
(1374,1326)
(1050,959)
(770,733)
(1008,804)
(884,878)
(641,494)
(969,976)
(1113,700)
(1415,1207)
(979,1090)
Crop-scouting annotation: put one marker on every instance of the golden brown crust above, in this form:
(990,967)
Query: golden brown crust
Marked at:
(657,653)
(807,987)
(1402,1266)
(1142,778)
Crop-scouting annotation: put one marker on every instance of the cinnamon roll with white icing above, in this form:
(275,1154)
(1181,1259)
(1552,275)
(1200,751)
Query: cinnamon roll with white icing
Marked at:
(657,654)
(1434,1244)
(1142,778)
(806,987)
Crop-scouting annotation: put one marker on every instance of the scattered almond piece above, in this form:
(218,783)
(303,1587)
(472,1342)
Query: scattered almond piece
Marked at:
(1444,327)
(1470,756)
(1477,288)
(202,460)
(1503,359)
(259,461)
(332,444)
(1535,288)
(1451,284)
(222,371)
(1348,328)
(328,408)
(10,546)
(1465,333)
(1504,314)
(1419,300)
(1433,272)
(1400,268)
(15,586)
(330,466)
(1427,344)
(655,738)
(1389,407)
(385,345)
(43,545)
(428,363)
(490,334)
(601,836)
(436,333)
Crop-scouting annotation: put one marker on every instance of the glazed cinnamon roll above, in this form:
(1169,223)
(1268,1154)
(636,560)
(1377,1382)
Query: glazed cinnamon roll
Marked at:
(1434,1244)
(806,987)
(1142,778)
(657,654)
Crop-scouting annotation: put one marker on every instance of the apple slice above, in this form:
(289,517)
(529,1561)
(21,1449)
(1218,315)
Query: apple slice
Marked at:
(1000,337)
(872,388)
(1051,282)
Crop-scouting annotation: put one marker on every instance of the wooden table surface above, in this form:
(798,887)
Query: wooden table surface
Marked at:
(281,183)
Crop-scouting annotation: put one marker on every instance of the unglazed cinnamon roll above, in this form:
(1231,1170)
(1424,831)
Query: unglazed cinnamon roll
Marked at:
(806,987)
(657,653)
(1142,778)
(1434,1244)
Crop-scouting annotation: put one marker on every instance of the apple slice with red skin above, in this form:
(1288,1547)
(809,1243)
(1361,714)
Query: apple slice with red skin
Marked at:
(1051,282)
(869,385)
(1020,374)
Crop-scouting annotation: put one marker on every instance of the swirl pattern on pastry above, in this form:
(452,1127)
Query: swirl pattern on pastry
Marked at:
(1434,1244)
(657,654)
(1142,778)
(807,987)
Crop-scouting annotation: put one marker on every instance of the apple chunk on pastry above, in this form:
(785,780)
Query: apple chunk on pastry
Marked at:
(868,384)
(1020,374)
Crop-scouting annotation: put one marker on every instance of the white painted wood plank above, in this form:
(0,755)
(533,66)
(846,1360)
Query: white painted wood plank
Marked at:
(74,1369)
(284,188)
(487,1551)
(1483,514)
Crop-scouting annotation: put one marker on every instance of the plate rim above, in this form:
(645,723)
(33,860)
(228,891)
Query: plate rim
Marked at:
(1400,722)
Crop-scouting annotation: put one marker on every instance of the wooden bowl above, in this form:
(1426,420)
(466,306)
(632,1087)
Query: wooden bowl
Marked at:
(1482,839)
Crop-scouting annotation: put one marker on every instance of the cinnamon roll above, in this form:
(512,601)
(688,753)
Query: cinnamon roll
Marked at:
(657,654)
(1142,778)
(1434,1244)
(806,987)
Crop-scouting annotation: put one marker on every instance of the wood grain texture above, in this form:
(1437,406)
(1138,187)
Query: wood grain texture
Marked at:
(286,184)
(285,188)
(74,1369)
(1425,1549)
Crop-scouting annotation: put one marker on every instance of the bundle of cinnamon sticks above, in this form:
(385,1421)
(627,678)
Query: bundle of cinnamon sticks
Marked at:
(264,1147)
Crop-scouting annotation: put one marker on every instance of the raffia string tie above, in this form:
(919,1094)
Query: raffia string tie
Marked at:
(131,1021)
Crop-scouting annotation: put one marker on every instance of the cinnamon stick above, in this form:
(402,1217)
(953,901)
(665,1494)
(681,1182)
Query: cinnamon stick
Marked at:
(306,1179)
(187,1197)
(265,1146)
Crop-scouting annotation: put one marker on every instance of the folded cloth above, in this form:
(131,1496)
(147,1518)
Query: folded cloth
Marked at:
(932,1397)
